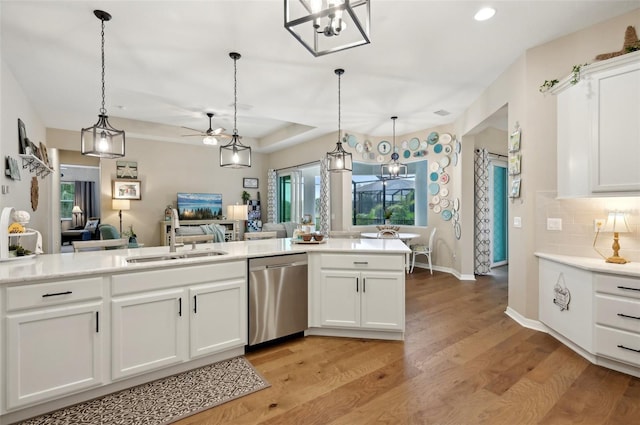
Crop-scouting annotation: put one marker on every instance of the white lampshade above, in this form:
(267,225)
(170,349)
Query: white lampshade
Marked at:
(616,223)
(76,210)
(120,204)
(237,212)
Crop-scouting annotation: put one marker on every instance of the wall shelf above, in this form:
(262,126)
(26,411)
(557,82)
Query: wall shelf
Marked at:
(35,165)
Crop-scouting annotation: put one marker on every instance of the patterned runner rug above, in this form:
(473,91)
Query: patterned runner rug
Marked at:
(165,400)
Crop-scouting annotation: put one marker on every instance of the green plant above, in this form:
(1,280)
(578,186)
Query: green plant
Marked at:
(547,85)
(388,213)
(245,196)
(576,73)
(130,233)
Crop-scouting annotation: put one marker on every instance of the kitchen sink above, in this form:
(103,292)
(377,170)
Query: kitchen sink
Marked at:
(175,256)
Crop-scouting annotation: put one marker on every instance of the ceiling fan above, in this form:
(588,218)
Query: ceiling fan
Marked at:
(211,136)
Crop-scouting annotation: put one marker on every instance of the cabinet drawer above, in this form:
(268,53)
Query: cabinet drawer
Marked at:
(618,285)
(53,293)
(362,262)
(622,313)
(618,344)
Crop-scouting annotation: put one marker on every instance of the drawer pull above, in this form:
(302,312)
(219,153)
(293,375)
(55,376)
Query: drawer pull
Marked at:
(97,321)
(195,304)
(361,262)
(628,317)
(357,282)
(55,294)
(627,348)
(628,288)
(180,306)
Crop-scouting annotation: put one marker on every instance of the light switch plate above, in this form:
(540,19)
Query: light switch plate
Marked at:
(517,222)
(554,224)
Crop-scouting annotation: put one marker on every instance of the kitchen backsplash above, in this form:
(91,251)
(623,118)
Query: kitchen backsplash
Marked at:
(577,234)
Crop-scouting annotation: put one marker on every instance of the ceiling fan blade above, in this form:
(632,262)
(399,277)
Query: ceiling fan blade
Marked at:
(193,135)
(193,129)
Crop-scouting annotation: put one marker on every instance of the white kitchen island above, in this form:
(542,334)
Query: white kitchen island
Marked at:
(80,325)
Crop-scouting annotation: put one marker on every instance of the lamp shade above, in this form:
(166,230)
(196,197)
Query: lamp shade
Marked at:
(616,223)
(237,212)
(76,210)
(120,204)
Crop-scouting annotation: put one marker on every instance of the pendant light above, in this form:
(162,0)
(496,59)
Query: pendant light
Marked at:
(102,139)
(234,154)
(338,160)
(393,169)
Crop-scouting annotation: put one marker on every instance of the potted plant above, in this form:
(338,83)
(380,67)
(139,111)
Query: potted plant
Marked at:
(245,196)
(133,238)
(387,216)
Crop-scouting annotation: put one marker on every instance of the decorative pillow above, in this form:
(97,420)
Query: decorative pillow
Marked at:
(275,227)
(92,225)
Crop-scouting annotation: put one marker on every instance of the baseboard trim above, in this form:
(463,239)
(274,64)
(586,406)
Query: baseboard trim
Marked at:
(524,322)
(447,270)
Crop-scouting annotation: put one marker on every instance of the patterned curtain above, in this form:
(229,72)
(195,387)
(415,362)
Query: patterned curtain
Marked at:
(325,205)
(272,207)
(482,211)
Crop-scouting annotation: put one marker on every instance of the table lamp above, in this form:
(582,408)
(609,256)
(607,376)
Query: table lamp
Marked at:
(76,210)
(237,213)
(120,204)
(616,224)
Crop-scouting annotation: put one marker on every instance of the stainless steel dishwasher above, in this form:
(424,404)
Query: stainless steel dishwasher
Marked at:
(277,297)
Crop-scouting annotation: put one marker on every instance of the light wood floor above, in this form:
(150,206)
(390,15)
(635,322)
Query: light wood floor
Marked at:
(463,362)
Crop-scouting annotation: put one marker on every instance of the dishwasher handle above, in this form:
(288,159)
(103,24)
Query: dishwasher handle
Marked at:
(279,266)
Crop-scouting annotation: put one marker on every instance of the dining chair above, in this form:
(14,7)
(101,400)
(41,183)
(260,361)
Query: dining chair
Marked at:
(100,244)
(426,250)
(248,236)
(344,234)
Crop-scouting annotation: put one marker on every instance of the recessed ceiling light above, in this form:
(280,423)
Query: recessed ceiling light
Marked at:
(484,14)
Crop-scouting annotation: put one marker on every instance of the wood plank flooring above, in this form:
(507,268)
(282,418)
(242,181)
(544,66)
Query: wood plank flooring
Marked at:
(463,362)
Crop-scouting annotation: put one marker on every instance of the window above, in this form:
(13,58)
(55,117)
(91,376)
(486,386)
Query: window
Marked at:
(67,197)
(299,194)
(405,201)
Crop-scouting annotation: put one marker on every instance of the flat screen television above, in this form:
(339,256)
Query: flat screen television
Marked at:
(199,206)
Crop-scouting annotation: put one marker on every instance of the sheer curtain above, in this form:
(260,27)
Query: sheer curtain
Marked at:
(482,209)
(86,199)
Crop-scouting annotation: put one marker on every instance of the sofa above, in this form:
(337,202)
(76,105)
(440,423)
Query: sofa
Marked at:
(86,233)
(283,230)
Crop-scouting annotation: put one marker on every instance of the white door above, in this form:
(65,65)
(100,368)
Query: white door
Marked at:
(149,331)
(218,313)
(340,302)
(382,300)
(53,352)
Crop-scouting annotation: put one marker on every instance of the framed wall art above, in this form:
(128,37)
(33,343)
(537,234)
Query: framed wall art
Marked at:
(127,189)
(22,137)
(514,140)
(514,164)
(515,188)
(249,183)
(126,169)
(44,155)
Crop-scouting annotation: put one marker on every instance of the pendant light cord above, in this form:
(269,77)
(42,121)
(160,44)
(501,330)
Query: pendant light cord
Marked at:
(235,95)
(339,110)
(103,111)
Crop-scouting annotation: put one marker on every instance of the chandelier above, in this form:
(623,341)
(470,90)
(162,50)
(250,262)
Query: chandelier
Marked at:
(339,160)
(393,169)
(102,139)
(234,154)
(328,26)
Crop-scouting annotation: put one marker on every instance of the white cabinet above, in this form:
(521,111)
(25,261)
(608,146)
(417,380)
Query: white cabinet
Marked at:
(599,129)
(218,317)
(54,340)
(149,331)
(575,322)
(165,317)
(358,292)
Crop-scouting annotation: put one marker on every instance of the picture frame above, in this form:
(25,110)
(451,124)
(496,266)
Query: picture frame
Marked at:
(127,170)
(12,168)
(249,183)
(515,188)
(22,137)
(44,154)
(127,189)
(514,164)
(514,140)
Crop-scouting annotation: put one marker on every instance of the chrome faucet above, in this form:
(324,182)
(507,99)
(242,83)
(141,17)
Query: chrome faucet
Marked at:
(175,224)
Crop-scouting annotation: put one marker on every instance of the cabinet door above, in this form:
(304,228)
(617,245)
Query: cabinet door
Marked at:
(616,129)
(340,300)
(382,296)
(149,331)
(218,317)
(53,352)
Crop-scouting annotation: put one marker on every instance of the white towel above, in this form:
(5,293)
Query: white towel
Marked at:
(38,247)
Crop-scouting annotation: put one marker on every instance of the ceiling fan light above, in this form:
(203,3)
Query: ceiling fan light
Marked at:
(210,140)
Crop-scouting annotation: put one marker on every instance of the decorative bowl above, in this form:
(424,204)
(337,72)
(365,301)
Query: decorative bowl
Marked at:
(318,237)
(306,237)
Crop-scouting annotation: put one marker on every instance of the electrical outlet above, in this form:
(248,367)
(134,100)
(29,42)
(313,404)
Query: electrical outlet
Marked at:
(517,222)
(598,223)
(554,224)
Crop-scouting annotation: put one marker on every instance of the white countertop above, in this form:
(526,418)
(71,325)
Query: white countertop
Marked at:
(52,266)
(594,264)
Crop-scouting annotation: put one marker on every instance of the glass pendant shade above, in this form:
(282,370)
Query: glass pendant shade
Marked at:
(393,169)
(234,154)
(102,139)
(328,26)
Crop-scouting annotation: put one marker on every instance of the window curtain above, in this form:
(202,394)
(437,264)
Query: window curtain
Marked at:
(86,199)
(272,190)
(482,213)
(325,205)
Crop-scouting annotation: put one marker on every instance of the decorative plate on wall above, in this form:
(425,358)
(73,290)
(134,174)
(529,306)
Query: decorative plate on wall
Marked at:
(405,144)
(434,176)
(437,148)
(456,230)
(351,140)
(359,147)
(372,156)
(434,166)
(455,159)
(437,209)
(423,144)
(444,178)
(384,147)
(448,149)
(420,153)
(445,138)
(406,154)
(433,138)
(444,192)
(456,204)
(445,161)
(446,215)
(444,203)
(414,144)
(434,188)
(458,146)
